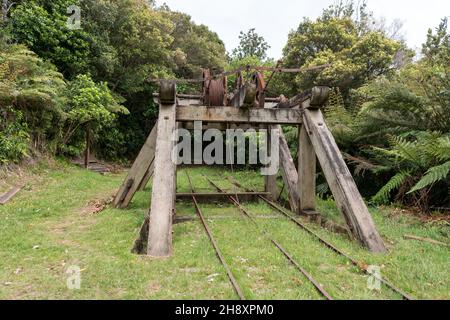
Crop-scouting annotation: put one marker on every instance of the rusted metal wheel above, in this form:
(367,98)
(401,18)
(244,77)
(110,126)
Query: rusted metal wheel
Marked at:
(214,90)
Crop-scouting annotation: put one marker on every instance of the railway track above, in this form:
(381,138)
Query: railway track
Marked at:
(287,255)
(233,199)
(230,275)
(327,244)
(219,255)
(264,232)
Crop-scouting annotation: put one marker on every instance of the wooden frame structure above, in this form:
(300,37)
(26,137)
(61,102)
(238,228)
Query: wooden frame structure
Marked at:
(315,142)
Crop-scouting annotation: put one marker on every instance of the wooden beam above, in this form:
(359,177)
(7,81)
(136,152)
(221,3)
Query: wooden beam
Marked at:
(222,196)
(141,243)
(197,100)
(239,115)
(163,190)
(432,241)
(137,172)
(289,172)
(87,150)
(224,126)
(342,185)
(271,180)
(4,198)
(306,172)
(147,177)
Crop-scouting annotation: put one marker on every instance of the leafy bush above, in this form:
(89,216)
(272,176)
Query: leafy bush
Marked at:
(91,106)
(36,89)
(14,137)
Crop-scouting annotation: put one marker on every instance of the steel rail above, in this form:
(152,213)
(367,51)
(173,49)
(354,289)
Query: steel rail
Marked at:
(361,266)
(316,284)
(219,255)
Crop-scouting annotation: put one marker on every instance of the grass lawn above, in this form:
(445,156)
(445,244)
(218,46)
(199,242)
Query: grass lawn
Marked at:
(48,227)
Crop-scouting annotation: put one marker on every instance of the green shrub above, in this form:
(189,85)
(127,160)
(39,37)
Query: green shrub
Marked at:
(14,137)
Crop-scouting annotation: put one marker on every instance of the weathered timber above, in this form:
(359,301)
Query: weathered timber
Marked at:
(87,150)
(238,115)
(163,190)
(137,172)
(432,241)
(141,243)
(319,96)
(342,185)
(224,126)
(289,172)
(222,197)
(4,198)
(271,180)
(189,102)
(147,177)
(306,172)
(183,219)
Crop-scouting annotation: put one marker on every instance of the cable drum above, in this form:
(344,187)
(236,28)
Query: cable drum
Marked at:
(214,90)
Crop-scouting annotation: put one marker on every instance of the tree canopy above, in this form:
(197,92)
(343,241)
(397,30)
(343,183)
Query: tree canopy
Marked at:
(251,44)
(356,53)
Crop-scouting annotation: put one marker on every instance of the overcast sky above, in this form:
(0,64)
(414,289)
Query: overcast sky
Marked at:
(273,19)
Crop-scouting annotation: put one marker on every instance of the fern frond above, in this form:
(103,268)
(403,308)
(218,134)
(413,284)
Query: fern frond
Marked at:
(432,176)
(396,181)
(322,189)
(441,149)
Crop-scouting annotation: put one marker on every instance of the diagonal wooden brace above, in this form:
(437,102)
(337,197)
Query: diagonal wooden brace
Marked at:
(340,180)
(137,172)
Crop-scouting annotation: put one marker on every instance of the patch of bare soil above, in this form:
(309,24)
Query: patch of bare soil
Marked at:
(423,218)
(154,287)
(97,205)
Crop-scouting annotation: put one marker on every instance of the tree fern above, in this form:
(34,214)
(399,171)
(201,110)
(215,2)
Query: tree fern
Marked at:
(441,148)
(405,150)
(432,176)
(396,181)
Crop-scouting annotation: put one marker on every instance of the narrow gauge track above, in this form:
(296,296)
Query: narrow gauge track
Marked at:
(219,255)
(286,254)
(330,246)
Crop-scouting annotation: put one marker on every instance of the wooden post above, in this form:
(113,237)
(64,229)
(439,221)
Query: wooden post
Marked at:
(137,172)
(271,181)
(339,178)
(306,172)
(87,151)
(164,188)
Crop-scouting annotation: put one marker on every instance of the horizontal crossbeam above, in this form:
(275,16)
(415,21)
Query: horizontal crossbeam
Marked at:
(225,126)
(221,197)
(238,115)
